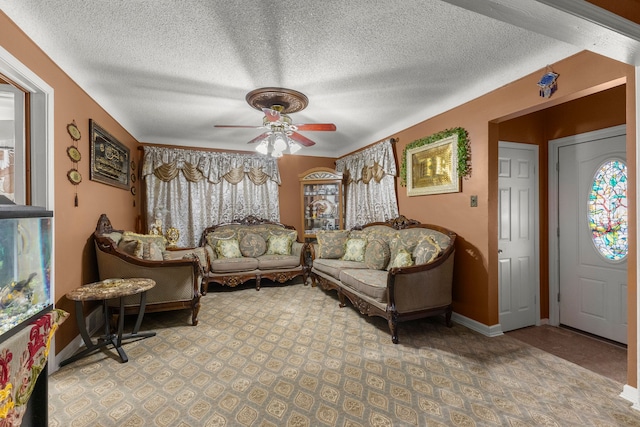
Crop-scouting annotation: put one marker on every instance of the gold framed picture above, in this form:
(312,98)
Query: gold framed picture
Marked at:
(433,168)
(110,159)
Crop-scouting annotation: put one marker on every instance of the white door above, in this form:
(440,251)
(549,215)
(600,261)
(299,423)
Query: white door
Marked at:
(518,270)
(592,266)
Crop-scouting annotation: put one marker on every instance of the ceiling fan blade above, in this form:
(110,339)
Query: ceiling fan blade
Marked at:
(271,115)
(317,126)
(237,126)
(301,139)
(258,138)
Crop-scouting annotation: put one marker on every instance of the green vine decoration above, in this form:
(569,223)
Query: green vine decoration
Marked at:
(464,151)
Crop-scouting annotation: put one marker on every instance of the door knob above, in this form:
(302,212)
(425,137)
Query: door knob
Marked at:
(499,251)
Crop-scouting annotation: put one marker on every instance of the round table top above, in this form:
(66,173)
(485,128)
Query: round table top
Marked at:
(111,288)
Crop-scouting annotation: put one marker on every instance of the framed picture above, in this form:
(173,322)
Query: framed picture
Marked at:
(433,168)
(110,159)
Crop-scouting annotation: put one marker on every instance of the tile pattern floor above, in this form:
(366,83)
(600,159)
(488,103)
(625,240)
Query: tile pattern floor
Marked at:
(603,357)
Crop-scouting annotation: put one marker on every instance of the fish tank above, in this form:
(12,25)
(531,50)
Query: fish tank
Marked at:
(25,266)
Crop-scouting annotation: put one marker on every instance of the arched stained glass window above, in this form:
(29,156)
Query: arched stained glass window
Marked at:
(607,210)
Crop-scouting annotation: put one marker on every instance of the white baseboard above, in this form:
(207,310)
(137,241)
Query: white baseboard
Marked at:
(94,321)
(631,394)
(489,331)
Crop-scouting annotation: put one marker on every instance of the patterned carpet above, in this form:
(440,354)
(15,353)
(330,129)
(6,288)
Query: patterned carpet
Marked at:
(289,356)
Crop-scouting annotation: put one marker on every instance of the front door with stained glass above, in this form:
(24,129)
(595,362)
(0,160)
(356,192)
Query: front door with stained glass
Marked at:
(593,231)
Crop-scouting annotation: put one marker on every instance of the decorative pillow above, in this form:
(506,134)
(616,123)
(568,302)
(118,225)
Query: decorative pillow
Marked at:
(151,252)
(252,245)
(146,238)
(331,244)
(229,248)
(292,234)
(279,245)
(377,254)
(129,246)
(354,250)
(426,250)
(397,244)
(402,259)
(215,236)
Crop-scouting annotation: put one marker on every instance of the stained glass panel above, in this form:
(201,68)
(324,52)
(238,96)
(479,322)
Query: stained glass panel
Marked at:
(607,210)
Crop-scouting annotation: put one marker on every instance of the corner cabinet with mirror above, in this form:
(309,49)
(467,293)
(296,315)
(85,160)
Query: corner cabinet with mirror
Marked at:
(322,201)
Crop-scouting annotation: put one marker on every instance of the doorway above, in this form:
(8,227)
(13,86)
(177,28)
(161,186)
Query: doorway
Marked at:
(588,233)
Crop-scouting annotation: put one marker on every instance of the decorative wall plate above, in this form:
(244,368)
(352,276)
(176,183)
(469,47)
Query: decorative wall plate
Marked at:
(133,190)
(74,176)
(74,132)
(73,153)
(133,177)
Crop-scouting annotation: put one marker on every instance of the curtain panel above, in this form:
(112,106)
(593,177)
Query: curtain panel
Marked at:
(191,190)
(370,190)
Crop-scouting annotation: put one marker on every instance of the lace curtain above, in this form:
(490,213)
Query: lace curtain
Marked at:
(370,191)
(193,189)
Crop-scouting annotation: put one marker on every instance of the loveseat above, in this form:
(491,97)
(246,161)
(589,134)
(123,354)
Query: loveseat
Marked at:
(178,273)
(399,269)
(252,248)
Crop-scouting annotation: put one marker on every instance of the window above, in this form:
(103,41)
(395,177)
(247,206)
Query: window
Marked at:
(607,210)
(12,146)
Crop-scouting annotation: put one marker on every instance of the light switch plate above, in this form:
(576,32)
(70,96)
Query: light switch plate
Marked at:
(474,201)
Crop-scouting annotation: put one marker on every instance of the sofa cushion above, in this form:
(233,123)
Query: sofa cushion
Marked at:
(214,236)
(232,265)
(252,245)
(130,247)
(402,259)
(146,238)
(426,250)
(377,254)
(274,262)
(331,244)
(372,283)
(332,267)
(279,244)
(228,249)
(354,249)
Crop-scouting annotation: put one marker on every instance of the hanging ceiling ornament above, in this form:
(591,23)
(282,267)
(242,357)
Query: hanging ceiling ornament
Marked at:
(548,83)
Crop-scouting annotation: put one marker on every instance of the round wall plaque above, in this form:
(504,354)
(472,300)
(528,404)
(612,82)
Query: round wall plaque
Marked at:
(74,132)
(74,176)
(74,154)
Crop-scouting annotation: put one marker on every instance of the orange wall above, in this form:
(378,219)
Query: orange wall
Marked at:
(74,263)
(476,278)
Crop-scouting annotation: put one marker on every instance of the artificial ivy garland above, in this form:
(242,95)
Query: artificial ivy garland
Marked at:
(464,151)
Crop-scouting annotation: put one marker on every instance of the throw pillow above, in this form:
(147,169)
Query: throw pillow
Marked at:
(292,234)
(129,246)
(146,238)
(229,248)
(426,250)
(331,244)
(377,254)
(354,250)
(402,259)
(252,245)
(279,245)
(214,236)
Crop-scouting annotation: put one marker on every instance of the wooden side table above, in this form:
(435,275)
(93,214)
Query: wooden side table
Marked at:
(106,290)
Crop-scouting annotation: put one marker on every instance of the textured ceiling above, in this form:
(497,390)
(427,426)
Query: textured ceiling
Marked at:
(169,71)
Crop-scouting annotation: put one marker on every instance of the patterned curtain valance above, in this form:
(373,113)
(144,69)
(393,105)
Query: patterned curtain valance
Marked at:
(167,163)
(371,163)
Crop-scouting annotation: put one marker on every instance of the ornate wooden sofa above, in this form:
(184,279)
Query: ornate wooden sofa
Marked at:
(178,273)
(252,248)
(400,269)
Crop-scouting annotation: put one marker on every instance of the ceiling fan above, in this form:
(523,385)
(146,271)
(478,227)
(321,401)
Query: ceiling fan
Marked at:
(281,134)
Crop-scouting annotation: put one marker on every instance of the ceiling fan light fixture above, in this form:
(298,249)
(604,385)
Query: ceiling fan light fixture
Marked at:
(279,142)
(294,147)
(263,147)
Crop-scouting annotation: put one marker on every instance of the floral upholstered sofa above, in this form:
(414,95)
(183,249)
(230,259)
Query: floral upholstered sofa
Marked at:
(400,269)
(252,248)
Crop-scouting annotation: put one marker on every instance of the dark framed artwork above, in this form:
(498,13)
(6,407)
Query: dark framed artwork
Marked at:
(433,168)
(110,159)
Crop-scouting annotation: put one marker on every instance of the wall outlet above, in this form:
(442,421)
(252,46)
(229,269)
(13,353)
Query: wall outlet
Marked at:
(474,201)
